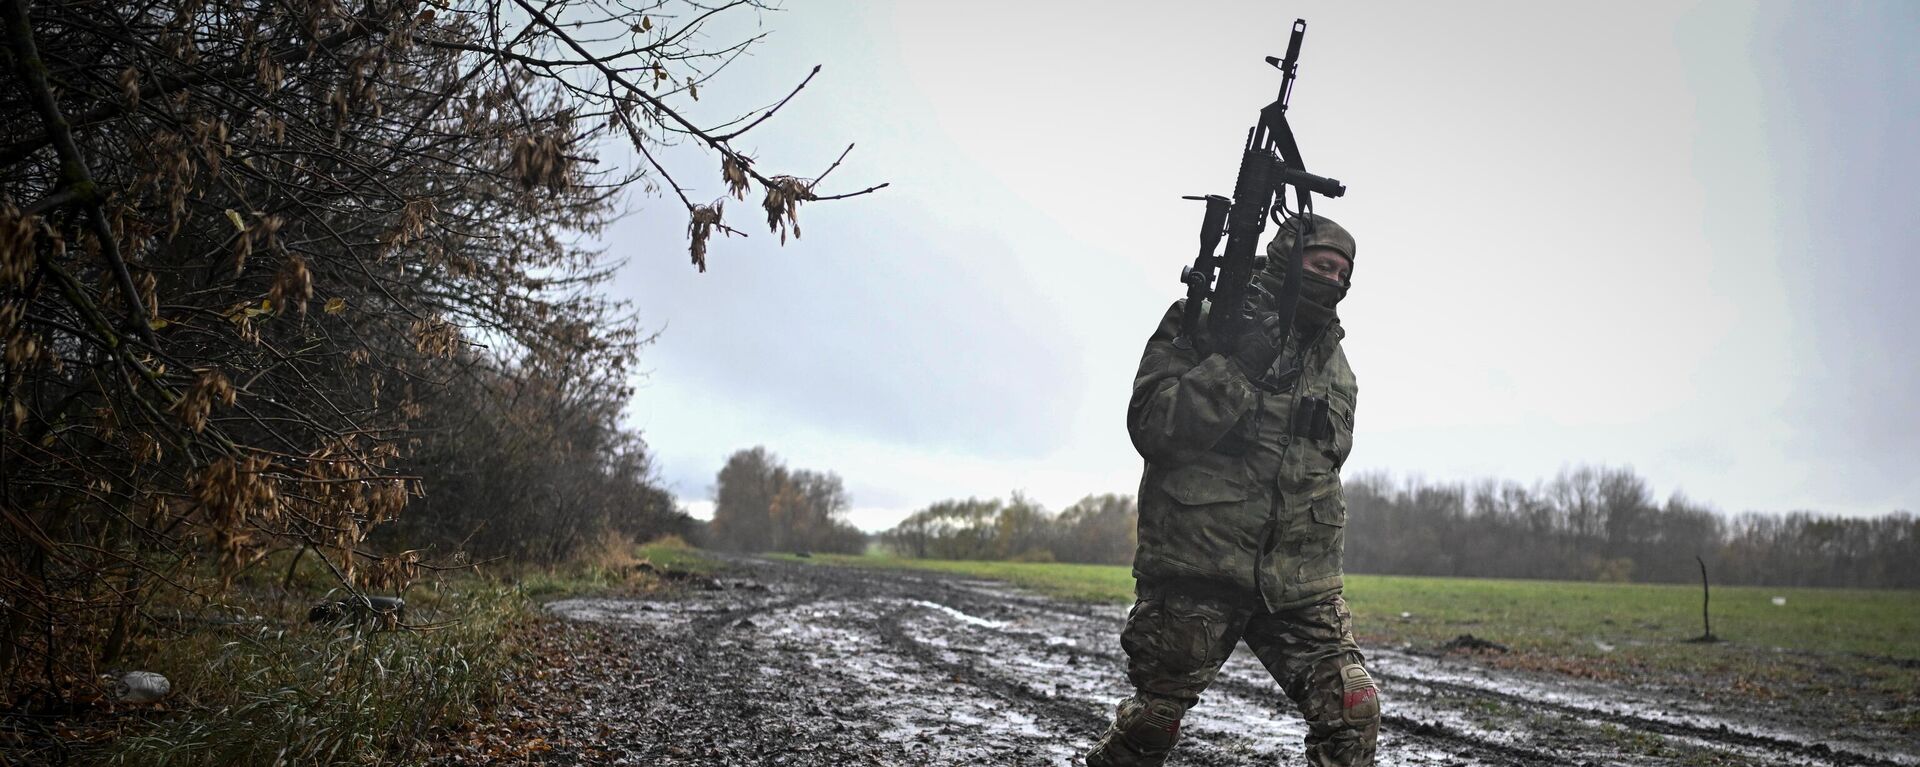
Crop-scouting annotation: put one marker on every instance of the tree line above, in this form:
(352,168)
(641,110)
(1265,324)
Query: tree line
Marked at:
(1097,529)
(1604,524)
(318,280)
(1587,523)
(761,504)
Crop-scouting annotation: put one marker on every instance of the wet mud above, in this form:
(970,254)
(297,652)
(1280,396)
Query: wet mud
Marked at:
(794,664)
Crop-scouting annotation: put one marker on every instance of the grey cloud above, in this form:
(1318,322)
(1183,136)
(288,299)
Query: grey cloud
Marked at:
(921,333)
(1849,108)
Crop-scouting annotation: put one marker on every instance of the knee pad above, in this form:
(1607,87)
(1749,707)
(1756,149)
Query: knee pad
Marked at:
(1359,696)
(1143,733)
(1152,724)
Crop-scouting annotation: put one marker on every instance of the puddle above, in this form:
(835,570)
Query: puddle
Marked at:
(651,614)
(960,616)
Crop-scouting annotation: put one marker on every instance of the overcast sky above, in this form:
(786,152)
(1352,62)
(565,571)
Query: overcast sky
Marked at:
(1680,238)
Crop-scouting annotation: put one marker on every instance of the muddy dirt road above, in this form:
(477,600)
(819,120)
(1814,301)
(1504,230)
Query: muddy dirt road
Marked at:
(792,664)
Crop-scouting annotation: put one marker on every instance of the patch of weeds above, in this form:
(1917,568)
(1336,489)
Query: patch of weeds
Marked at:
(1908,720)
(1705,758)
(1488,712)
(279,691)
(1650,744)
(1541,721)
(253,682)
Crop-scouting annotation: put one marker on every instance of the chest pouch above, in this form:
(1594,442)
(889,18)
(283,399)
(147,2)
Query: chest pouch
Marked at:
(1313,419)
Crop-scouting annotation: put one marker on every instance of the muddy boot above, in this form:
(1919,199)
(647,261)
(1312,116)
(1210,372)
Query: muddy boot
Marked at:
(1143,733)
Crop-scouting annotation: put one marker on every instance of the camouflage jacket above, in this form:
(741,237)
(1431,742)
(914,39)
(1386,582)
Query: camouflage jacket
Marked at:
(1229,494)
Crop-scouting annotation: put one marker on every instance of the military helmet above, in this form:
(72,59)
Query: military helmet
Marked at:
(1326,234)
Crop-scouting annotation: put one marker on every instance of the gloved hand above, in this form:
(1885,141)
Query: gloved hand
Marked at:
(1259,345)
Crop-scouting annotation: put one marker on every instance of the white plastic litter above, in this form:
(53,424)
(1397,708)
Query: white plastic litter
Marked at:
(139,687)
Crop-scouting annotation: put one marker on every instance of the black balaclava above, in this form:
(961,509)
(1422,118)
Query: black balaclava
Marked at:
(1319,296)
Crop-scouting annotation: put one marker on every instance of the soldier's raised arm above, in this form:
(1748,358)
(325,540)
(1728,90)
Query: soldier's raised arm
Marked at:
(1183,403)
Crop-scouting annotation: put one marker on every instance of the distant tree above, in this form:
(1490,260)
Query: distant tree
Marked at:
(1626,510)
(1098,529)
(806,510)
(743,499)
(761,505)
(951,529)
(1023,530)
(912,537)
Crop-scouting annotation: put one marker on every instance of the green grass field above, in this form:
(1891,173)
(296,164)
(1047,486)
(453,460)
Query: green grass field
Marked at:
(1639,622)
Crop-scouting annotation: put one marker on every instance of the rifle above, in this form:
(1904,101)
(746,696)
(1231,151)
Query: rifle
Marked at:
(1269,164)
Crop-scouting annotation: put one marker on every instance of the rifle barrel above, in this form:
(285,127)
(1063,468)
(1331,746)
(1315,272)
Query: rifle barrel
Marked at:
(1292,62)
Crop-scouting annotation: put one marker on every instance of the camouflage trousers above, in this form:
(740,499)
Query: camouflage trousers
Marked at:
(1179,633)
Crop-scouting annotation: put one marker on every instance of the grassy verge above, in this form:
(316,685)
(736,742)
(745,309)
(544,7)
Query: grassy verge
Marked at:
(280,691)
(1083,583)
(255,683)
(674,554)
(613,567)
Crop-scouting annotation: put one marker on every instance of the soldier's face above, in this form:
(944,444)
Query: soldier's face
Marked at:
(1328,263)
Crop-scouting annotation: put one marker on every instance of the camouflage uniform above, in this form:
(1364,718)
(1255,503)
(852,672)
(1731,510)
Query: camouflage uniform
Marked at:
(1242,526)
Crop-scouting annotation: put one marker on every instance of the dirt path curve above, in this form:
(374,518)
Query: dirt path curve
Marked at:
(794,664)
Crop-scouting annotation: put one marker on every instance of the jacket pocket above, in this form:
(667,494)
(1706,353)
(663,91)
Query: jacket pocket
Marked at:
(1341,413)
(1199,486)
(1324,539)
(1329,506)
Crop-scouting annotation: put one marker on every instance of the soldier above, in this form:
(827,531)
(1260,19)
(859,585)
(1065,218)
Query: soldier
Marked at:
(1242,519)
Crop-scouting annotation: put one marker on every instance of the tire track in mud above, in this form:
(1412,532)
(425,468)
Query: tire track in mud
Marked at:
(916,695)
(930,668)
(1437,744)
(1788,751)
(1218,731)
(1779,750)
(1083,717)
(716,620)
(908,683)
(1074,717)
